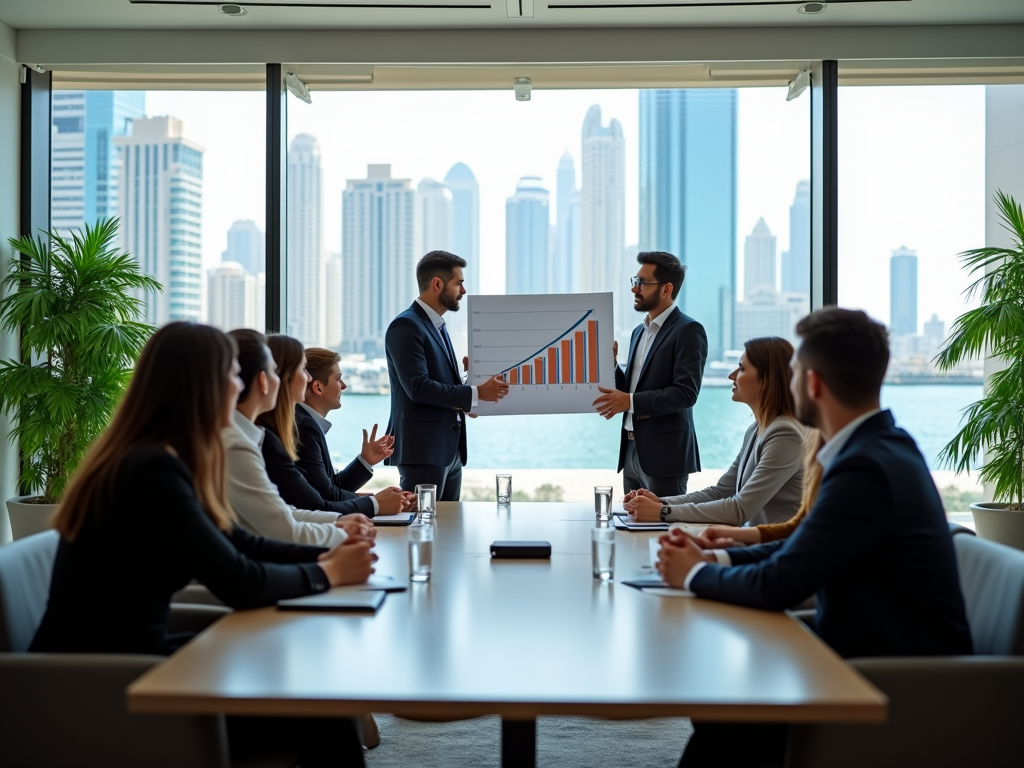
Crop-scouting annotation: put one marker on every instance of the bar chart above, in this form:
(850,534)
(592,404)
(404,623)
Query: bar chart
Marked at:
(553,350)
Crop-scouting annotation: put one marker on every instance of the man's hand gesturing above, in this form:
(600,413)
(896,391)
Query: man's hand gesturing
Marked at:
(493,389)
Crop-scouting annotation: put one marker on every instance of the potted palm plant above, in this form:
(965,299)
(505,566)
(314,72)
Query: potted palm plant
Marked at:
(993,427)
(76,302)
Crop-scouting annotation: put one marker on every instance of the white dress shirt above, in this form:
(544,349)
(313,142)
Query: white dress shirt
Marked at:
(437,321)
(826,455)
(255,499)
(653,325)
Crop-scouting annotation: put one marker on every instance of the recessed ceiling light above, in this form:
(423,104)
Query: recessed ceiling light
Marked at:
(237,10)
(812,8)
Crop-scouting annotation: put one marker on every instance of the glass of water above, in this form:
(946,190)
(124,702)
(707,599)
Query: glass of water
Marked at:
(503,488)
(426,501)
(421,552)
(602,541)
(603,502)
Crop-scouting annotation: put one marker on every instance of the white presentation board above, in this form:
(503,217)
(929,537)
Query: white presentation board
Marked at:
(552,349)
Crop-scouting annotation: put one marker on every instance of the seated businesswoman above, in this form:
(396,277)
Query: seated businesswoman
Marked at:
(259,506)
(281,438)
(147,512)
(719,536)
(763,485)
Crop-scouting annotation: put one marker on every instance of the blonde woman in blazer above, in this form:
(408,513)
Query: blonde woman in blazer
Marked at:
(764,483)
(255,498)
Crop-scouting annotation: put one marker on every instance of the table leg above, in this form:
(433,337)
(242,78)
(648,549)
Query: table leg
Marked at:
(518,743)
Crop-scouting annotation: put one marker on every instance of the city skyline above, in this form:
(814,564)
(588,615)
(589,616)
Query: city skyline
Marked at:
(941,280)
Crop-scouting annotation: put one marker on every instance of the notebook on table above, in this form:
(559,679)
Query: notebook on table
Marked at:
(402,518)
(359,601)
(624,522)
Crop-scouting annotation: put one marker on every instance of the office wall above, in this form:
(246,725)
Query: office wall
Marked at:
(10,111)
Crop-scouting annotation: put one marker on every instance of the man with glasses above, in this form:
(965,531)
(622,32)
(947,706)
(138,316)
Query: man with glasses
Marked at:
(660,384)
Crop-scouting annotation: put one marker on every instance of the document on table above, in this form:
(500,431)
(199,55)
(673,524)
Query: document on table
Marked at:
(655,586)
(377,581)
(626,523)
(402,518)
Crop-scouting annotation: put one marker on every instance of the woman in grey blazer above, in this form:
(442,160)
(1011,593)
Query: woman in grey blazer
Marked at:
(763,485)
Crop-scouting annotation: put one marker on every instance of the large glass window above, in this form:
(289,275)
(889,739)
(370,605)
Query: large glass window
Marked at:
(912,196)
(185,173)
(554,195)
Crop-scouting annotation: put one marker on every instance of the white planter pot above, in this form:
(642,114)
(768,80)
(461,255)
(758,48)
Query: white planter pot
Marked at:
(996,523)
(27,519)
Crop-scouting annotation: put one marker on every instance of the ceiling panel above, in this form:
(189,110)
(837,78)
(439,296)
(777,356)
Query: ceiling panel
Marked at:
(406,14)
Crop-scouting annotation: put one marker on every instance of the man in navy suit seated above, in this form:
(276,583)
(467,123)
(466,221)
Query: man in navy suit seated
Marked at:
(429,402)
(875,547)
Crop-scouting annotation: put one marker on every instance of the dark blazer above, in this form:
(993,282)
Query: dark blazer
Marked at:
(315,464)
(427,393)
(296,490)
(665,394)
(150,540)
(876,549)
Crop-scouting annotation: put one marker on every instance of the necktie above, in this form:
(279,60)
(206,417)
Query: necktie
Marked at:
(448,346)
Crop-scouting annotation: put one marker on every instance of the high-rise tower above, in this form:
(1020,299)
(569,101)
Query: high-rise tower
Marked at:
(433,217)
(759,260)
(306,259)
(161,204)
(465,221)
(796,262)
(903,292)
(688,198)
(378,261)
(565,265)
(246,246)
(527,228)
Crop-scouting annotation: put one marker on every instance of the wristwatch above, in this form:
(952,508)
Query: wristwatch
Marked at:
(664,513)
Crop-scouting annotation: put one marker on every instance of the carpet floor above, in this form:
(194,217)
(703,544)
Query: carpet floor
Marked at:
(562,742)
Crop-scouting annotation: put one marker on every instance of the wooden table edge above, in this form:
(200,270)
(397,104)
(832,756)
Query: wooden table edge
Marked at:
(853,713)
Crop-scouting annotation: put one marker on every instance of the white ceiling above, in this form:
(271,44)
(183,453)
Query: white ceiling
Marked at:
(121,14)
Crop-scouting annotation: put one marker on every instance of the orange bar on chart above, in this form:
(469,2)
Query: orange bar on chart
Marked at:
(566,367)
(592,350)
(526,374)
(552,365)
(538,370)
(513,376)
(580,357)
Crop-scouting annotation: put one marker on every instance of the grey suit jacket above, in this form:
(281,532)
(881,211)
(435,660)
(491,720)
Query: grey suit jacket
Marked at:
(763,485)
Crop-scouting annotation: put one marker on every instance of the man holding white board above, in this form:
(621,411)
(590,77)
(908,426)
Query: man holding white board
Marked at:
(429,402)
(659,386)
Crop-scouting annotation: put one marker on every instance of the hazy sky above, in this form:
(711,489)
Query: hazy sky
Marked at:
(911,166)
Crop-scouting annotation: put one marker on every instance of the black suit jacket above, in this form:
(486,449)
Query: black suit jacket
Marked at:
(315,464)
(427,393)
(665,395)
(150,539)
(296,490)
(875,548)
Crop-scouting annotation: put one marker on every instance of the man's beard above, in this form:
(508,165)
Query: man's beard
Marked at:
(646,305)
(807,413)
(450,301)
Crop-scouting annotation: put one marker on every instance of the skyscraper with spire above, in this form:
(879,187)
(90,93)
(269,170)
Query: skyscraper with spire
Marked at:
(759,260)
(688,198)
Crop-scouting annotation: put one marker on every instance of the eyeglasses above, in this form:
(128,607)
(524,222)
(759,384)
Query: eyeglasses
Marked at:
(638,282)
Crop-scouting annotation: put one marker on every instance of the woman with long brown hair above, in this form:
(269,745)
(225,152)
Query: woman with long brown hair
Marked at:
(147,512)
(280,443)
(764,483)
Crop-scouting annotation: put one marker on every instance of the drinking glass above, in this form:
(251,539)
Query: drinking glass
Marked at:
(602,541)
(503,488)
(603,502)
(421,552)
(426,498)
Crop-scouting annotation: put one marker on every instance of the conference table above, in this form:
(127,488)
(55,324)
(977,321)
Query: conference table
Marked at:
(516,638)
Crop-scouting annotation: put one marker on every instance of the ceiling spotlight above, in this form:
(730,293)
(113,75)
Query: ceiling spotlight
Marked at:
(812,8)
(232,10)
(523,87)
(297,88)
(799,84)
